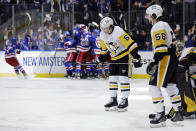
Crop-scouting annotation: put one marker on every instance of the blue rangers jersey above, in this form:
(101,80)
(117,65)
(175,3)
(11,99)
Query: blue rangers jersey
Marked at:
(11,48)
(69,45)
(82,40)
(95,40)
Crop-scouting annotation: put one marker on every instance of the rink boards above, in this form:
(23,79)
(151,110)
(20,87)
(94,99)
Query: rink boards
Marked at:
(40,63)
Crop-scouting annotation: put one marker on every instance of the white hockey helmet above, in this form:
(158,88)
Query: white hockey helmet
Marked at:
(154,9)
(106,23)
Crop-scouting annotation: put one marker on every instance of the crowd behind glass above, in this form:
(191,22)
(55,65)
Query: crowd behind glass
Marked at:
(43,35)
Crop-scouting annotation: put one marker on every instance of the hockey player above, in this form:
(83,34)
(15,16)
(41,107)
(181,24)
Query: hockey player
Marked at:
(163,68)
(84,50)
(70,48)
(102,70)
(11,49)
(115,40)
(186,80)
(95,39)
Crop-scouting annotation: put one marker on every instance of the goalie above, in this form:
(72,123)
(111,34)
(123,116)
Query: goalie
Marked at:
(186,79)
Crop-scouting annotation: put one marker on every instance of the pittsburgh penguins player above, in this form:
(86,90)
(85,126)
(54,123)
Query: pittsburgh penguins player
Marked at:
(163,68)
(120,45)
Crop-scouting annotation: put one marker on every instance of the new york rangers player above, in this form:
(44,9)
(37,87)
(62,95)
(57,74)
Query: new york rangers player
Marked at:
(70,48)
(11,49)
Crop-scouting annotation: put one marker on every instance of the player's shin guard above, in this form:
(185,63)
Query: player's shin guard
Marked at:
(16,71)
(157,98)
(175,98)
(125,91)
(105,67)
(22,70)
(78,70)
(174,95)
(113,87)
(89,72)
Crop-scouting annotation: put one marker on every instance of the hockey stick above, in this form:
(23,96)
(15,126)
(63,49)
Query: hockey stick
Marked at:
(107,64)
(101,15)
(29,17)
(54,57)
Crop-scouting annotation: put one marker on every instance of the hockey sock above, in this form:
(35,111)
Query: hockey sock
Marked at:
(71,69)
(125,89)
(113,85)
(157,98)
(88,69)
(124,86)
(78,68)
(174,95)
(17,71)
(99,70)
(105,68)
(22,70)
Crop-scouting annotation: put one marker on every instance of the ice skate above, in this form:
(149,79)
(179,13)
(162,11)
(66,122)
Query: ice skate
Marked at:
(77,76)
(178,118)
(89,76)
(25,76)
(168,116)
(66,75)
(158,120)
(122,107)
(111,105)
(99,76)
(19,76)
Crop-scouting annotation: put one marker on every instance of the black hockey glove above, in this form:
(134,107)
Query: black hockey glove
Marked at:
(137,62)
(152,67)
(100,60)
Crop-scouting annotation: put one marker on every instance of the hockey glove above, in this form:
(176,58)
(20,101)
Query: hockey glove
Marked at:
(100,60)
(151,68)
(68,43)
(137,62)
(17,51)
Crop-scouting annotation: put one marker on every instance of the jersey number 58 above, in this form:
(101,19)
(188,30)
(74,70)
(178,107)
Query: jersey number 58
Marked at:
(160,36)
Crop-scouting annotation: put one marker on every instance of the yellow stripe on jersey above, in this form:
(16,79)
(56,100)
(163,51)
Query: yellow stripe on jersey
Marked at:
(161,49)
(103,47)
(163,65)
(125,40)
(125,53)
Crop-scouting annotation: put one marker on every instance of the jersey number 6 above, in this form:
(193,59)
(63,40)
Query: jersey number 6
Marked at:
(126,37)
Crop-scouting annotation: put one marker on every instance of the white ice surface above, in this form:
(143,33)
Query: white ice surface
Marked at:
(73,105)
